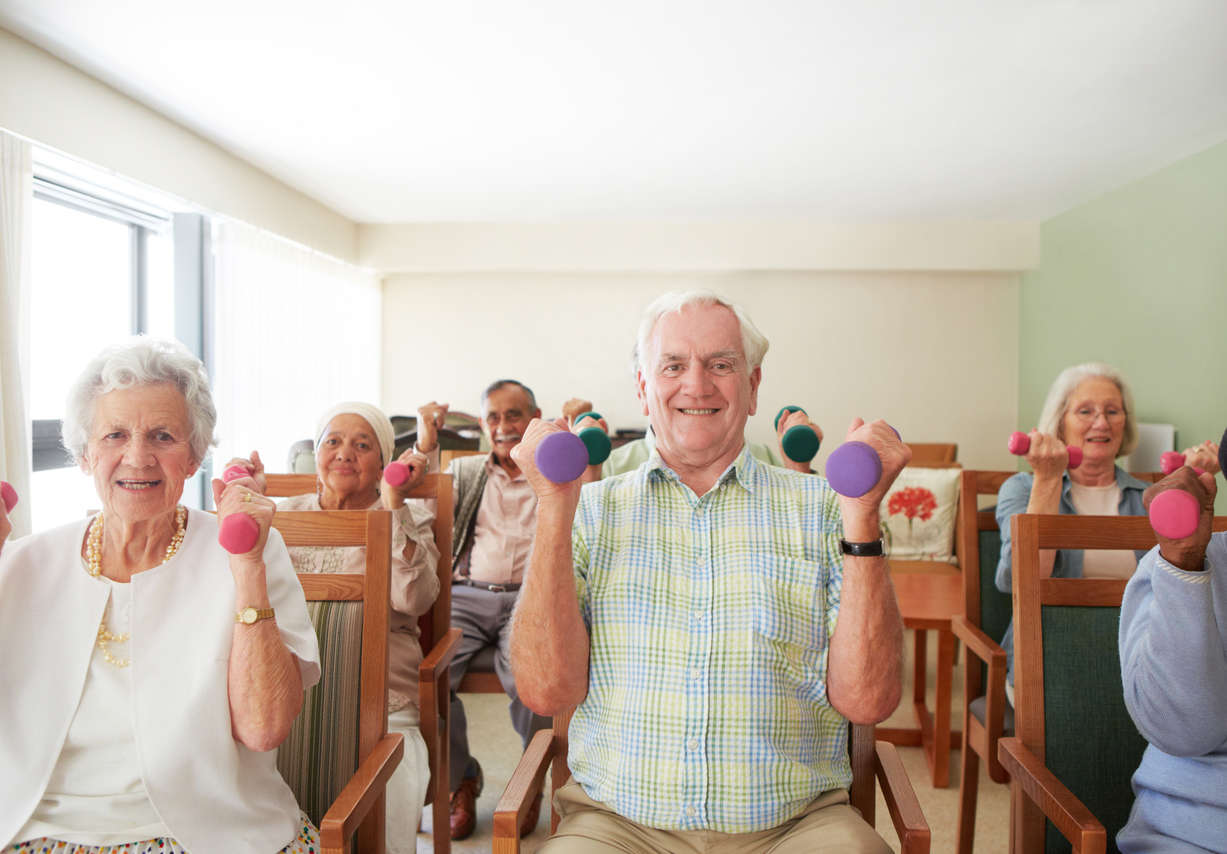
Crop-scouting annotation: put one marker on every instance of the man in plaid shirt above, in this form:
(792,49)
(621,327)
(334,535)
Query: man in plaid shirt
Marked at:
(716,621)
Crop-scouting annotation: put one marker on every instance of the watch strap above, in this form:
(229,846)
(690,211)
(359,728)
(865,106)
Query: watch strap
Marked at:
(874,548)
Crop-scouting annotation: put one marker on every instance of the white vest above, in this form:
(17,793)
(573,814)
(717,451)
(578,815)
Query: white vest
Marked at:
(213,793)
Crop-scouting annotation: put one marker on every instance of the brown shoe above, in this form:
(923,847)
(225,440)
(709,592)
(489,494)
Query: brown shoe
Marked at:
(530,818)
(463,818)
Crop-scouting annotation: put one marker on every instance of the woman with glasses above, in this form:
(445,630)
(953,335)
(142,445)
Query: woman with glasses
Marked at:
(1089,406)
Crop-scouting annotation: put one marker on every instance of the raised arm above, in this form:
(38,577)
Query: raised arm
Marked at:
(265,685)
(865,661)
(1173,659)
(549,641)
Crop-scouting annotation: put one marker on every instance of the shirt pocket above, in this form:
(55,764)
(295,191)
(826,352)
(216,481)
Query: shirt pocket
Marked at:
(789,605)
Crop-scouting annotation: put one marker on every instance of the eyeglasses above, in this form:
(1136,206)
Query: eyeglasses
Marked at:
(1089,414)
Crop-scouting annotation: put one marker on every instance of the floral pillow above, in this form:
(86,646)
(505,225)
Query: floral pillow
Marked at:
(918,514)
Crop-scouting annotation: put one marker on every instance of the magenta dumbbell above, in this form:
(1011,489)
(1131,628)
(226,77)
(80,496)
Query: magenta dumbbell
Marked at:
(562,457)
(1020,443)
(1169,461)
(1174,514)
(8,495)
(396,473)
(238,532)
(854,468)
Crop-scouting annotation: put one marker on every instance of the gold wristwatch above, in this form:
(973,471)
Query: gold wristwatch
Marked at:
(250,615)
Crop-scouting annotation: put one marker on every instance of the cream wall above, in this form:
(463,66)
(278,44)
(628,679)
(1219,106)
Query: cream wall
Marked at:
(934,353)
(52,103)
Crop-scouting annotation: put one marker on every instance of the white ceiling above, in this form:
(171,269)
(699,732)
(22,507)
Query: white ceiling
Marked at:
(404,111)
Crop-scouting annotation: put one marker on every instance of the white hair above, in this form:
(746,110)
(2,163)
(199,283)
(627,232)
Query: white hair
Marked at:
(753,343)
(1052,416)
(138,362)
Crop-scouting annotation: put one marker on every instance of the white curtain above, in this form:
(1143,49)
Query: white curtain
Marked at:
(16,199)
(295,332)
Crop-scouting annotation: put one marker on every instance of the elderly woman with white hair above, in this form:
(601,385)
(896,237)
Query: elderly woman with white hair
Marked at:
(141,704)
(354,442)
(1089,406)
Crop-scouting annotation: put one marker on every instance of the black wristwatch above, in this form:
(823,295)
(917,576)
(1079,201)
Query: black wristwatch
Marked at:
(870,549)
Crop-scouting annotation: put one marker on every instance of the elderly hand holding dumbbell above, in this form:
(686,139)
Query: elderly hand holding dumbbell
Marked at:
(1181,509)
(552,460)
(431,417)
(401,476)
(861,481)
(799,438)
(255,469)
(1047,455)
(1203,457)
(244,516)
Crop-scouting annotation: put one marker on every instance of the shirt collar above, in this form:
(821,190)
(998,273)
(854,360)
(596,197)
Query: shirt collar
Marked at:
(746,470)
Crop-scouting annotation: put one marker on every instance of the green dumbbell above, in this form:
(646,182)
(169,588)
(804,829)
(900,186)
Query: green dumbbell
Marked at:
(800,443)
(596,439)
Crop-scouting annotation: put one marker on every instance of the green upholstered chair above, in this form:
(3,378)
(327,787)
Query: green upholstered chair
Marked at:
(339,755)
(986,613)
(1075,747)
(438,639)
(870,759)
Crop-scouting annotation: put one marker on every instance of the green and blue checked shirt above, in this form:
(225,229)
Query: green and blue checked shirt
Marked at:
(709,620)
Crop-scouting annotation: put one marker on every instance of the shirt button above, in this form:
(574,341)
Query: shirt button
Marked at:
(694,675)
(693,744)
(691,812)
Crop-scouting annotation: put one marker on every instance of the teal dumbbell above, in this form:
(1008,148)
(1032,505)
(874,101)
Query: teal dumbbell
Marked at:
(595,439)
(800,443)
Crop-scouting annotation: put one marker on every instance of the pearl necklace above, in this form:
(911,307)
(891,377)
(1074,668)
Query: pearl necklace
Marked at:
(93,563)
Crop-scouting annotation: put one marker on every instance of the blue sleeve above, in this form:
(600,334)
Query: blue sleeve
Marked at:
(1012,499)
(1173,662)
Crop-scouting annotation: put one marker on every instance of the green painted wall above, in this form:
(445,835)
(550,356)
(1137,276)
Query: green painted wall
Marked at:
(1138,279)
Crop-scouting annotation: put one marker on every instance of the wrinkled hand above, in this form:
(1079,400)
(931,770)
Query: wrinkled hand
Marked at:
(576,406)
(861,515)
(1203,456)
(231,498)
(525,457)
(1047,456)
(394,496)
(431,417)
(253,464)
(797,418)
(1190,552)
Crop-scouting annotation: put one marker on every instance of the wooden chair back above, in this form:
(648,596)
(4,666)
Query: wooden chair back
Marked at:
(318,729)
(1069,703)
(933,455)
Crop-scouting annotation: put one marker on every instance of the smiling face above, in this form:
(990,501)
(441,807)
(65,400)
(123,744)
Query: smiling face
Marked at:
(1095,419)
(505,417)
(139,452)
(696,386)
(348,461)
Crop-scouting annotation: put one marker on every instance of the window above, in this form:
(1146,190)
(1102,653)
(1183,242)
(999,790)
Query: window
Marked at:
(101,268)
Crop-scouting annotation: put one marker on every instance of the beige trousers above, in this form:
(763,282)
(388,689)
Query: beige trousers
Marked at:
(828,824)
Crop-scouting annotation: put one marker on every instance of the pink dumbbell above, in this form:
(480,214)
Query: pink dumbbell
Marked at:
(238,532)
(8,495)
(1174,514)
(396,473)
(1020,443)
(1169,461)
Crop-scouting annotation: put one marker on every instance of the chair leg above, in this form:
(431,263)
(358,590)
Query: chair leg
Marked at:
(969,784)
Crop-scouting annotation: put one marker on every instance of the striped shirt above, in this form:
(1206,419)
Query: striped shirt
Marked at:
(709,620)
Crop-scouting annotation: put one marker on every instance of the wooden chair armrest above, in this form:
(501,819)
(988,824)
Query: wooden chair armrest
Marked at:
(441,656)
(1070,815)
(901,800)
(977,642)
(526,782)
(360,793)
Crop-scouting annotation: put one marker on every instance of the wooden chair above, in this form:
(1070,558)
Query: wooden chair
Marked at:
(339,754)
(548,750)
(1075,747)
(986,613)
(935,455)
(439,641)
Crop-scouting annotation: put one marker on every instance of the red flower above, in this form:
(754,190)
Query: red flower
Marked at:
(912,502)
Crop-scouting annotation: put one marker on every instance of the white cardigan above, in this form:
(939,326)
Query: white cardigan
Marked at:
(214,794)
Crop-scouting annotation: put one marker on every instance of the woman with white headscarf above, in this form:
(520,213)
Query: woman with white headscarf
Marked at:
(353,444)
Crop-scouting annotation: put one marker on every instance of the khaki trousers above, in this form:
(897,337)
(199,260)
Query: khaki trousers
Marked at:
(829,824)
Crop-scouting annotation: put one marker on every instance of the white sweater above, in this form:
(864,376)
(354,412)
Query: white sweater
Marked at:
(214,794)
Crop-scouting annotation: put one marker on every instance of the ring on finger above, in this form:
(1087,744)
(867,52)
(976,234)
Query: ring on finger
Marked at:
(246,497)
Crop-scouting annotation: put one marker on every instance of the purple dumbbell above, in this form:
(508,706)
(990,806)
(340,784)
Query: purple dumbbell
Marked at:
(854,468)
(562,457)
(238,531)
